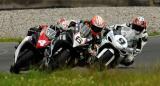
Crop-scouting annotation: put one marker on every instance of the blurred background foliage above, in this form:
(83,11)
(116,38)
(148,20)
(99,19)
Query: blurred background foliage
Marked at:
(13,4)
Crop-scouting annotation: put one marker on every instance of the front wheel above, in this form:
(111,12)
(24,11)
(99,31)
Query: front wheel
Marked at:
(105,59)
(61,60)
(24,61)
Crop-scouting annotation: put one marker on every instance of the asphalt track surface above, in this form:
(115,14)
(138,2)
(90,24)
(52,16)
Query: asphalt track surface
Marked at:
(148,57)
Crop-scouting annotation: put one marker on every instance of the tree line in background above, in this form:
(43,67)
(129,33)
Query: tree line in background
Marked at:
(74,3)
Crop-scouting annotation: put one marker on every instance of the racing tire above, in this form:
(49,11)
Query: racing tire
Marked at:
(23,61)
(127,63)
(104,59)
(61,60)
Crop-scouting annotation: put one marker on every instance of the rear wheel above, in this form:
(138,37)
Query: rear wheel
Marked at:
(125,63)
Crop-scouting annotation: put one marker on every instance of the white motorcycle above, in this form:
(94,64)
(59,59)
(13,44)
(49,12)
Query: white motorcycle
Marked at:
(113,45)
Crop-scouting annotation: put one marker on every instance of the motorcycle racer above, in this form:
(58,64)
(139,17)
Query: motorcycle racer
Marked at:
(136,35)
(35,47)
(89,29)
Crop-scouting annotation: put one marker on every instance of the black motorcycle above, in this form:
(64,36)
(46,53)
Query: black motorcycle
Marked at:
(71,50)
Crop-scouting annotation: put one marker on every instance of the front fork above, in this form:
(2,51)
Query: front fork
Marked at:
(47,55)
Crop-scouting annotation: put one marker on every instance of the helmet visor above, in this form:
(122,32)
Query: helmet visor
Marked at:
(137,28)
(96,29)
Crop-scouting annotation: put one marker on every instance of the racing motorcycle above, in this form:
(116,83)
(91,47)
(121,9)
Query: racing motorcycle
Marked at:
(72,50)
(33,48)
(113,48)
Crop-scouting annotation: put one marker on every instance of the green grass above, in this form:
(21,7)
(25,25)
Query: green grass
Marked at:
(154,33)
(10,39)
(68,77)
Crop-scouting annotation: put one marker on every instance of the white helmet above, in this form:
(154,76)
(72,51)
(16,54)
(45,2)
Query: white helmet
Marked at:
(139,23)
(97,24)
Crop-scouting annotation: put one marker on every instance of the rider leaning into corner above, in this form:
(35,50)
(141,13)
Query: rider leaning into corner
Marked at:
(136,34)
(90,29)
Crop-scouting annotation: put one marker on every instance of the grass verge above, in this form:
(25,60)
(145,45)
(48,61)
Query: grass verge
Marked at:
(154,33)
(10,39)
(68,77)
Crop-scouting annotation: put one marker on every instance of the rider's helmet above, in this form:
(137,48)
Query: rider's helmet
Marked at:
(97,24)
(63,24)
(139,24)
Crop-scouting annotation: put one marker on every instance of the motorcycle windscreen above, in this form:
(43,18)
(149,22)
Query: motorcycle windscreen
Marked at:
(50,33)
(84,31)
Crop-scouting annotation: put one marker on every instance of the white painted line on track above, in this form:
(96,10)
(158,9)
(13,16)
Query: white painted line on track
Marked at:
(3,51)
